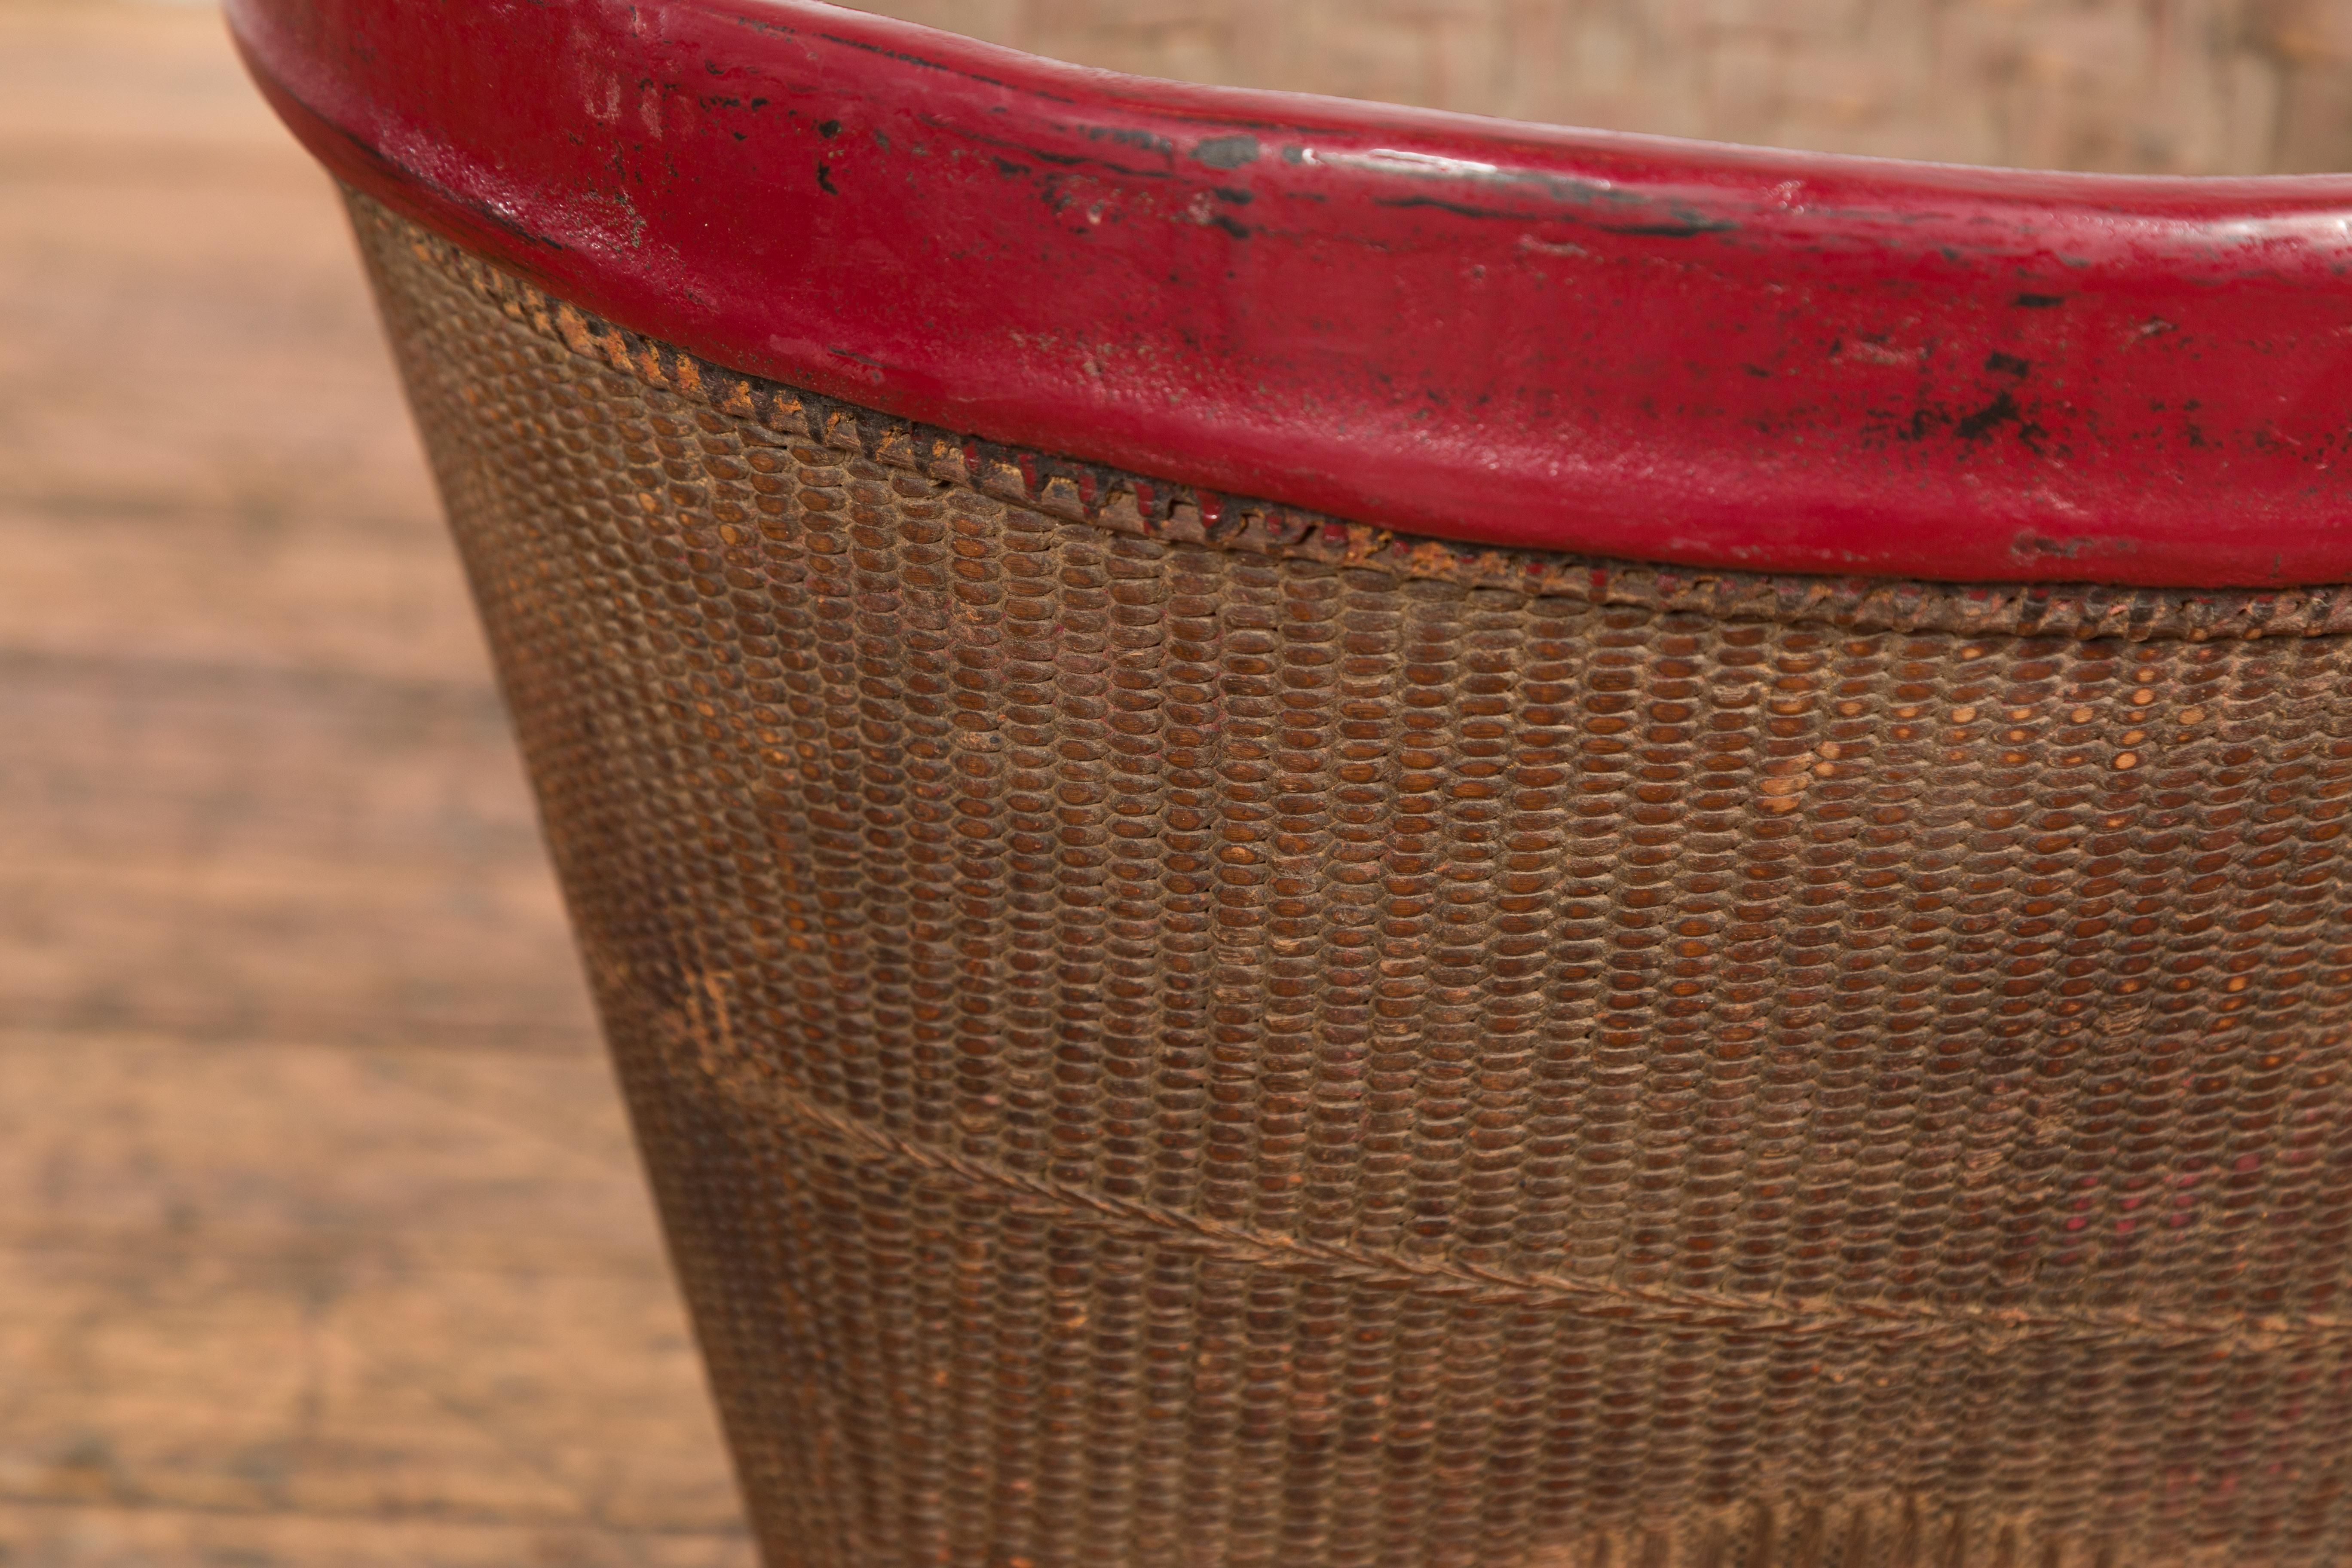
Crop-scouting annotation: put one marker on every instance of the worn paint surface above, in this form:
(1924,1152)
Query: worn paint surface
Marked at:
(1492,333)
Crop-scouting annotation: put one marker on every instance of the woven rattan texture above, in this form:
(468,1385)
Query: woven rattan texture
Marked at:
(1161,1053)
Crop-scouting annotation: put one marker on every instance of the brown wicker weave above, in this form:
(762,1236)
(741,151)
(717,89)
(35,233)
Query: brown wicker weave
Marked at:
(1308,1048)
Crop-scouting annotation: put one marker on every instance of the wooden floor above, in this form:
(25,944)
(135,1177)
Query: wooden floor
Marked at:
(321,1240)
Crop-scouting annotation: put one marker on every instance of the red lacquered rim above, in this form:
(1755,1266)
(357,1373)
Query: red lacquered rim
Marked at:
(1504,333)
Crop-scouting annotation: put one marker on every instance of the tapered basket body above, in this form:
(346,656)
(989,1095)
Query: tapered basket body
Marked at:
(1177,1028)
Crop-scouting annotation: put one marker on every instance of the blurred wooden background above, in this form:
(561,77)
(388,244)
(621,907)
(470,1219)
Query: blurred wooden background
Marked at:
(321,1239)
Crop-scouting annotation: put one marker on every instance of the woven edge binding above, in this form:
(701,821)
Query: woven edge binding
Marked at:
(1157,509)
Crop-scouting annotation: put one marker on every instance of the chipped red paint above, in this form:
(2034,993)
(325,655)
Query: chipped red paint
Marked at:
(1506,333)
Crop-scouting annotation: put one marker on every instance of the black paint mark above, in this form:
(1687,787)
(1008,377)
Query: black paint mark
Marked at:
(828,128)
(2039,302)
(1238,230)
(1240,198)
(1026,151)
(1689,228)
(825,180)
(1010,168)
(2008,365)
(1227,151)
(2001,411)
(1685,230)
(1758,370)
(1149,141)
(1464,208)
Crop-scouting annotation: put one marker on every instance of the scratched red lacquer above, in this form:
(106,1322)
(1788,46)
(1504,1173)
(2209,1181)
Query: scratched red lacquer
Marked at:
(1484,331)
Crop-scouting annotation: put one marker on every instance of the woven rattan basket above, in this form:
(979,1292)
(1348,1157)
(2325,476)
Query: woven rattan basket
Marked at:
(1316,835)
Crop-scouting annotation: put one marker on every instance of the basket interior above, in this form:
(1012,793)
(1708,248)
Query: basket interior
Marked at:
(2159,87)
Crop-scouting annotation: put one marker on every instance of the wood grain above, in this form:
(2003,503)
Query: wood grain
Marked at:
(321,1238)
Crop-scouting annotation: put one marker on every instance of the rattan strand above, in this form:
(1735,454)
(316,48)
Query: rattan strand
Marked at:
(1278,1050)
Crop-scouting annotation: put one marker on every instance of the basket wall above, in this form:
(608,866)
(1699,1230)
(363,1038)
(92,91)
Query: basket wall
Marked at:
(1314,1050)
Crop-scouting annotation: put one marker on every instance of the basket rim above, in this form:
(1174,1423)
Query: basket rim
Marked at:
(1473,329)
